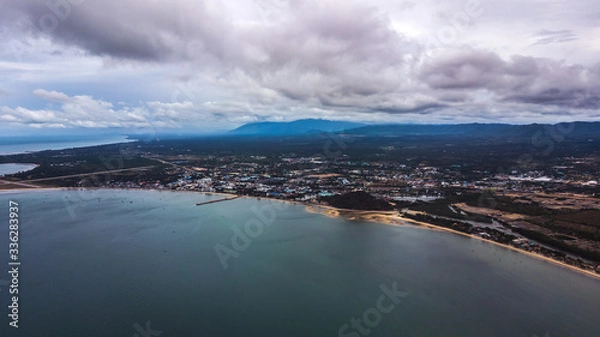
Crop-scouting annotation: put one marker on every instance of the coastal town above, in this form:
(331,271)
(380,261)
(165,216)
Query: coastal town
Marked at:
(308,178)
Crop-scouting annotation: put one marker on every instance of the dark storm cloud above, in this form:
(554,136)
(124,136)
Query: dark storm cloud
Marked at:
(131,29)
(328,53)
(520,79)
(569,98)
(421,109)
(465,70)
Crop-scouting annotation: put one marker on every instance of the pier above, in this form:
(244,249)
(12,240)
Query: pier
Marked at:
(215,201)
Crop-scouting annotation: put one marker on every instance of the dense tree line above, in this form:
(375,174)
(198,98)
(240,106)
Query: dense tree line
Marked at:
(359,201)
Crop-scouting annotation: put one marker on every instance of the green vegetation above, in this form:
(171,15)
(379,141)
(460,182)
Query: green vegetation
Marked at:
(505,204)
(441,207)
(463,227)
(79,161)
(359,201)
(542,238)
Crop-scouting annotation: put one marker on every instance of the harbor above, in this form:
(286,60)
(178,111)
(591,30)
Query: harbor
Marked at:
(215,201)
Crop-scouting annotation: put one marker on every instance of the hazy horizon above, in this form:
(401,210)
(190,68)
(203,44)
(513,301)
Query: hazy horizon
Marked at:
(30,135)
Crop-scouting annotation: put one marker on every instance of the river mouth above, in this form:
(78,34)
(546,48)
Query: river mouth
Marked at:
(12,168)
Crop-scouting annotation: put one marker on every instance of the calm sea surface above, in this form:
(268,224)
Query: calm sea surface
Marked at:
(16,145)
(119,263)
(12,168)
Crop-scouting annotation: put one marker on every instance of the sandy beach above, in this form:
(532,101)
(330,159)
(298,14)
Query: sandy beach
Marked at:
(39,189)
(395,219)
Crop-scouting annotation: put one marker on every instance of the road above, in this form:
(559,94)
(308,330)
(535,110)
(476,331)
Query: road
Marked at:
(89,174)
(18,183)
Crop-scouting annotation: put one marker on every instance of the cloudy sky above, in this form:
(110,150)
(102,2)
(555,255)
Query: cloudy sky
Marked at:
(209,65)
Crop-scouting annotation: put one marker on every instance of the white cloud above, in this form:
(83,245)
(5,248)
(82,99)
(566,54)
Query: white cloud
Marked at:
(88,112)
(51,95)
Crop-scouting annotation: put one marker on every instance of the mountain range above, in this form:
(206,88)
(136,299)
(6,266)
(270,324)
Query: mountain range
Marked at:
(299,127)
(496,130)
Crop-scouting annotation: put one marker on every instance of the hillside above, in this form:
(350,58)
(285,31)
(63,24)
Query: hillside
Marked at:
(477,130)
(557,132)
(299,127)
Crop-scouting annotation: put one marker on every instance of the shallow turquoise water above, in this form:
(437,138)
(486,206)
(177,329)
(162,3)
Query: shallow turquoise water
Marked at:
(103,263)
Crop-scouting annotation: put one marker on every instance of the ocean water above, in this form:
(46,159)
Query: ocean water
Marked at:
(143,263)
(17,145)
(12,168)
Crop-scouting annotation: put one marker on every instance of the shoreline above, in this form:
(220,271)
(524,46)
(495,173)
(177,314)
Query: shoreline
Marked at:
(31,189)
(393,218)
(534,255)
(388,218)
(397,220)
(110,141)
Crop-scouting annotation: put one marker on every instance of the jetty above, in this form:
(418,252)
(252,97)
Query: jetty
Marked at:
(215,201)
